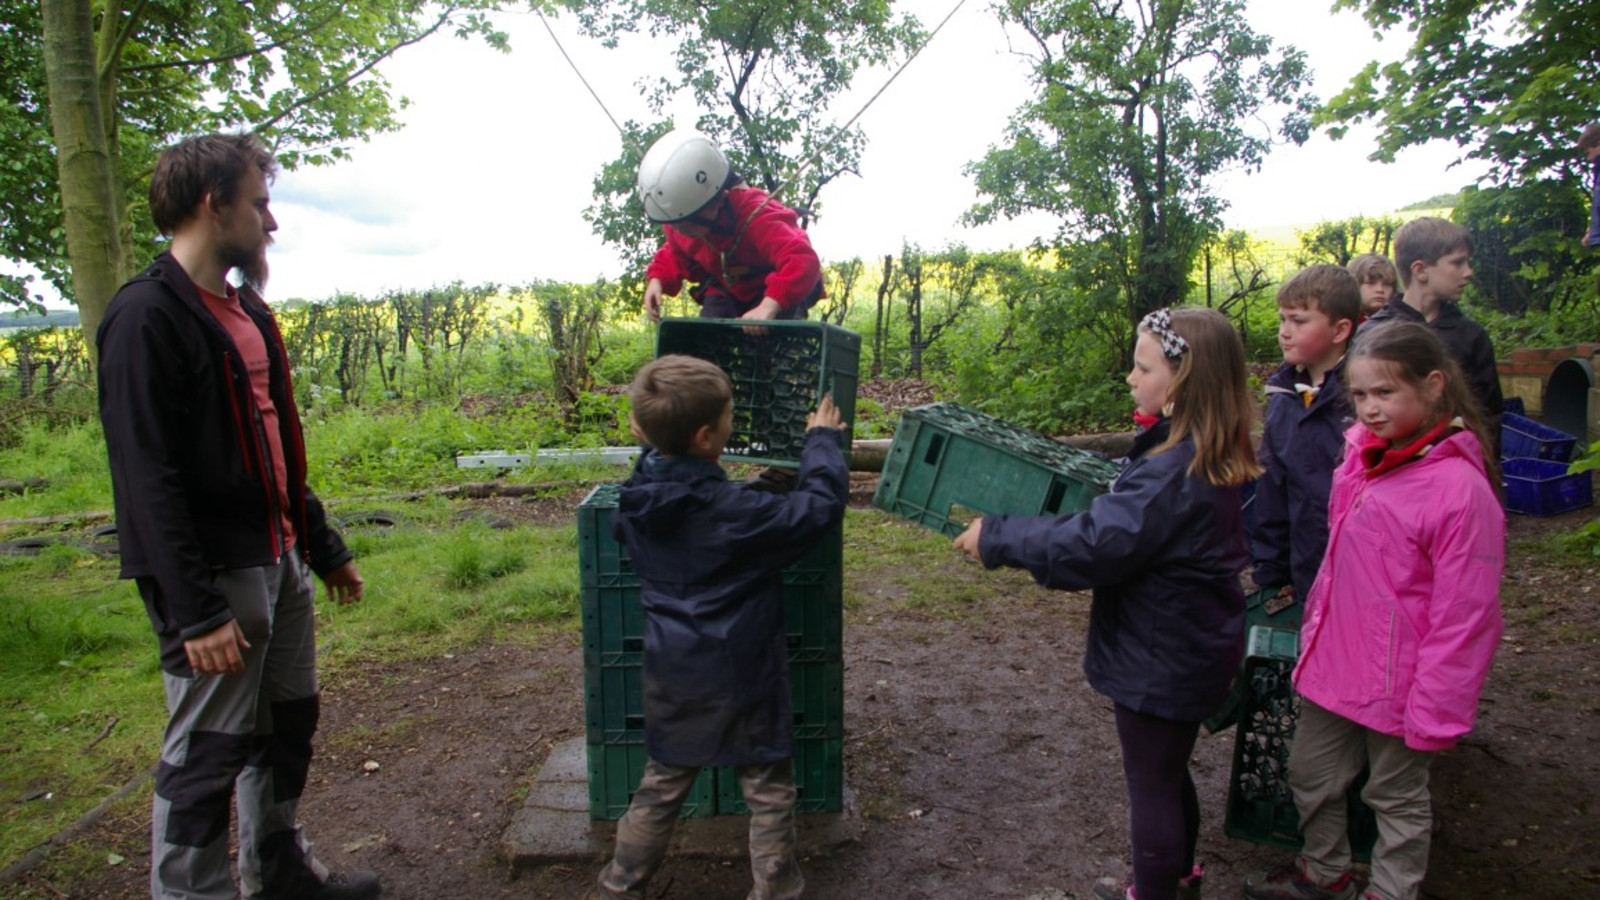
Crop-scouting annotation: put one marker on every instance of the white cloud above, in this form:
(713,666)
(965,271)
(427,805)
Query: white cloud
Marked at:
(489,180)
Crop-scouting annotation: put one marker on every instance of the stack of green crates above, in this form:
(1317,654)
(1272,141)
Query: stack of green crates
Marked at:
(613,647)
(949,464)
(778,378)
(1260,803)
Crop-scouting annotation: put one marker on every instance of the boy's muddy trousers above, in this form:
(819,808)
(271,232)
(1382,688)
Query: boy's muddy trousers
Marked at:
(645,830)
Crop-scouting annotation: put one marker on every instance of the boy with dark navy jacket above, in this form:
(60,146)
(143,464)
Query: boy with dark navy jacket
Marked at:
(1303,441)
(709,554)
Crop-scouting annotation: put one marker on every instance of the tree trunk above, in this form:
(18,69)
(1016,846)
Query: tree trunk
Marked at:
(83,159)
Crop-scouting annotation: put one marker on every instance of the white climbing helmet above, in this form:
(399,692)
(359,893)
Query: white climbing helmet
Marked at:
(680,174)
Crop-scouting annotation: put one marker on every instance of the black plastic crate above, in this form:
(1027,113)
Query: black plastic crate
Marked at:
(778,378)
(1260,802)
(950,464)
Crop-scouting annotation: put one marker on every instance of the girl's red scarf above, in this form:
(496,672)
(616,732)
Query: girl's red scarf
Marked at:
(1143,421)
(1377,457)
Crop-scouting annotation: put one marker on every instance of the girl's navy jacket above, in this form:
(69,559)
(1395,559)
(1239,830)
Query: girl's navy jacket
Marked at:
(710,554)
(1163,551)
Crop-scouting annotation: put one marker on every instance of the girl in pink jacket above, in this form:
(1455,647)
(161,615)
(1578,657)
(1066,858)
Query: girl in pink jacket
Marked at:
(1402,621)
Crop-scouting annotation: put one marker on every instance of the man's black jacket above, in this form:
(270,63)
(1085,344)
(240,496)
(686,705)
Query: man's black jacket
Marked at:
(191,478)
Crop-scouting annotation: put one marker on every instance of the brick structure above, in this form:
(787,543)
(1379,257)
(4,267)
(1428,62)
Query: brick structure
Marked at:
(1528,370)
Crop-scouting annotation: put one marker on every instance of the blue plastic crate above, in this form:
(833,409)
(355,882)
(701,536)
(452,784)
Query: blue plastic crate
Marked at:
(950,464)
(778,378)
(1538,487)
(1523,438)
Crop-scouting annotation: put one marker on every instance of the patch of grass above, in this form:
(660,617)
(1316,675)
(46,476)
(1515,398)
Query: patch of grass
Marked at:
(71,458)
(81,706)
(892,564)
(79,652)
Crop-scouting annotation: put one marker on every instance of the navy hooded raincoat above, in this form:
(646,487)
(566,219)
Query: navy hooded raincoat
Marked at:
(710,554)
(1163,552)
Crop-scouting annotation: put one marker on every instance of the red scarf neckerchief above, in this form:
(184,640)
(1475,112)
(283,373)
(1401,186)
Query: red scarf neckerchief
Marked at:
(1144,422)
(1377,457)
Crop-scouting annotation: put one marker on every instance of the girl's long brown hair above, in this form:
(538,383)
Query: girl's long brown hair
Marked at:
(1414,351)
(1211,400)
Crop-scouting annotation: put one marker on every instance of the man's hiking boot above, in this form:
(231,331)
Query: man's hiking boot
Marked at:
(343,886)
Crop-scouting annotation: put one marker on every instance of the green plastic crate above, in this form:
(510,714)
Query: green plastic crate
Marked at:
(818,780)
(778,378)
(614,702)
(1260,803)
(950,464)
(613,642)
(613,618)
(1279,632)
(614,772)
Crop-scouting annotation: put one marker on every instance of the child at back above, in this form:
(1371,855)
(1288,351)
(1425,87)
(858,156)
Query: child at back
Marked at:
(1307,414)
(1433,257)
(1589,146)
(1163,552)
(709,555)
(1396,643)
(1375,274)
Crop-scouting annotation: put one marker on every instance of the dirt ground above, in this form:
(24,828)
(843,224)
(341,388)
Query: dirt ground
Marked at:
(981,764)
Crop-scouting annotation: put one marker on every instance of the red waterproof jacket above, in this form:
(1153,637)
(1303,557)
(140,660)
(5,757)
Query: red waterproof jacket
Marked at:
(756,250)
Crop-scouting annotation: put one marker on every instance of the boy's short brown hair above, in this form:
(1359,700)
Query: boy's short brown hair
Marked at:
(674,396)
(1328,289)
(1426,240)
(1590,137)
(1370,267)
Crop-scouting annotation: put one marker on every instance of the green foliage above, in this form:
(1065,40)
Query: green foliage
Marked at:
(1512,82)
(69,457)
(1585,539)
(1139,106)
(1526,255)
(762,76)
(300,74)
(1343,240)
(472,562)
(80,694)
(1437,201)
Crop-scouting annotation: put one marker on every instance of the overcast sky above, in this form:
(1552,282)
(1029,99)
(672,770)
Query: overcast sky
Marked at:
(488,180)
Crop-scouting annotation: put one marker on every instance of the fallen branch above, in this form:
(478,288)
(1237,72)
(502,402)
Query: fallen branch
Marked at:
(72,832)
(104,733)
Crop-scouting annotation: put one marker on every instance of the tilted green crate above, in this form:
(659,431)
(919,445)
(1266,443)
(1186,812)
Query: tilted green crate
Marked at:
(778,378)
(949,464)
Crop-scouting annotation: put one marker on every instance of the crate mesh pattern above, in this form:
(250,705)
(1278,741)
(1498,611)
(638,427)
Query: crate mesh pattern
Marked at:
(778,378)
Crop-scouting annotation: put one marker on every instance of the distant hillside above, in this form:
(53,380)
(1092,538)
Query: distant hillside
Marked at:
(60,318)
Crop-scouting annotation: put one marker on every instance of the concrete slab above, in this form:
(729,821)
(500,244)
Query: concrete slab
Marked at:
(553,825)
